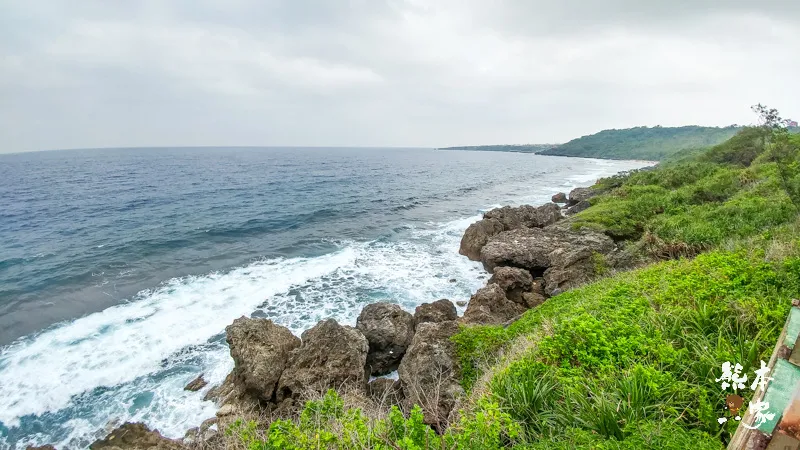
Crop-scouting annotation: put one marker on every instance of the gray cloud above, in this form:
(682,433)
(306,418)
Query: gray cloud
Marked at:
(392,72)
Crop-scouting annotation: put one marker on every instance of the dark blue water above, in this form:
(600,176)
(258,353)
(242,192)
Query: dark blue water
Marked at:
(119,269)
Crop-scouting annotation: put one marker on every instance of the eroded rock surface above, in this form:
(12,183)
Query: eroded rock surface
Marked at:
(389,330)
(476,236)
(513,281)
(330,356)
(563,257)
(559,198)
(135,436)
(429,372)
(260,351)
(489,306)
(438,311)
(580,194)
(513,217)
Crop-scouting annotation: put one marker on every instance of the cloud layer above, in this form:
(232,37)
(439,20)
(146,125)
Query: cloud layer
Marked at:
(384,73)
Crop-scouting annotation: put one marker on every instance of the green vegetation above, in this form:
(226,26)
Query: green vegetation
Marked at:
(639,351)
(654,144)
(520,148)
(329,424)
(629,361)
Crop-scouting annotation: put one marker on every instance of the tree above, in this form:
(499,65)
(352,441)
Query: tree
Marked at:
(783,152)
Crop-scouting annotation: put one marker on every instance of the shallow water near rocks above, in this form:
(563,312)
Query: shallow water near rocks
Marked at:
(120,268)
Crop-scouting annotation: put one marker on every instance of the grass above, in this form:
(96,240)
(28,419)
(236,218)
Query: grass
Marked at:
(641,347)
(629,361)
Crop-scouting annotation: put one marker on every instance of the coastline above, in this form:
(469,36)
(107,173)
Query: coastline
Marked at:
(482,278)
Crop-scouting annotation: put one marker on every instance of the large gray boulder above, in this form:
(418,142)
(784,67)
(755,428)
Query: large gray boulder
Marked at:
(580,194)
(559,198)
(260,351)
(476,235)
(438,311)
(513,281)
(135,436)
(582,205)
(505,219)
(489,306)
(564,257)
(536,249)
(389,330)
(525,216)
(330,356)
(429,372)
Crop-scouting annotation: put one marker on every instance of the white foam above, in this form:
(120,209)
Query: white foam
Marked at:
(124,342)
(131,361)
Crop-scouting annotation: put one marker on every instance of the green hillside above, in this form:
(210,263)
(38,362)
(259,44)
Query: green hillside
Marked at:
(653,144)
(518,148)
(628,361)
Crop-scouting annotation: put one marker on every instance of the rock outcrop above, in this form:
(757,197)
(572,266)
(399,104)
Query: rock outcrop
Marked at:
(438,311)
(559,198)
(513,281)
(562,256)
(582,205)
(580,194)
(330,356)
(389,331)
(505,219)
(476,235)
(135,436)
(429,372)
(489,306)
(196,384)
(260,351)
(525,216)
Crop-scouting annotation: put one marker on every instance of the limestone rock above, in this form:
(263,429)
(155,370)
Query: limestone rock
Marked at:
(559,198)
(196,384)
(513,281)
(476,235)
(389,330)
(330,356)
(135,436)
(533,299)
(578,207)
(260,351)
(580,194)
(526,216)
(438,311)
(538,249)
(429,372)
(489,306)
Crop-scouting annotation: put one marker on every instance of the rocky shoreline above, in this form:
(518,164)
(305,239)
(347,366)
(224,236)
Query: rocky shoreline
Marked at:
(533,253)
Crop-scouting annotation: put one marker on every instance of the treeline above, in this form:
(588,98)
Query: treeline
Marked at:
(654,144)
(520,148)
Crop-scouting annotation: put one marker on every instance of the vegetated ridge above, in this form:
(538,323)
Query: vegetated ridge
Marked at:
(604,325)
(519,148)
(648,143)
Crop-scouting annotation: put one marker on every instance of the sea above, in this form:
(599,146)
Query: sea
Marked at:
(121,268)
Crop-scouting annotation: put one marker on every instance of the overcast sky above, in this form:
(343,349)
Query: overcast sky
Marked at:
(99,73)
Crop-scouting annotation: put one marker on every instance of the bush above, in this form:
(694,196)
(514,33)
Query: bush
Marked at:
(641,347)
(327,424)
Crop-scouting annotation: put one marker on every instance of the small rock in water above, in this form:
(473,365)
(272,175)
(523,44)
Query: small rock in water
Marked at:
(453,280)
(461,303)
(196,384)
